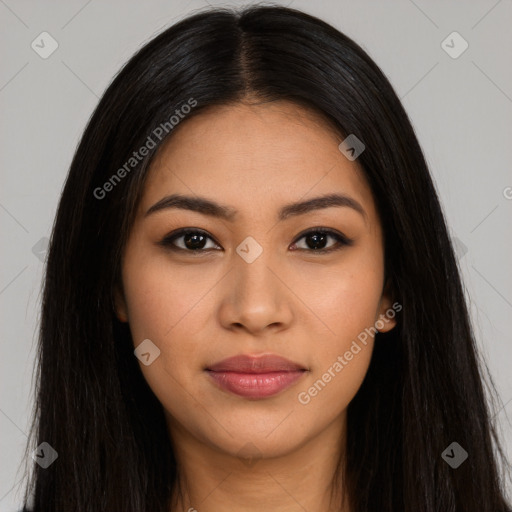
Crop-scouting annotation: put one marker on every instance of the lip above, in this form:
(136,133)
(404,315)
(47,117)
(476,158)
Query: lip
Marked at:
(255,377)
(256,364)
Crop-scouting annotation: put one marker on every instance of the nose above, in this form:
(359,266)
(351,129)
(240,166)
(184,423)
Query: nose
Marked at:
(256,297)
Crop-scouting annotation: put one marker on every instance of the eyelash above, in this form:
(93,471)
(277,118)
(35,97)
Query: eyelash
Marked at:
(342,240)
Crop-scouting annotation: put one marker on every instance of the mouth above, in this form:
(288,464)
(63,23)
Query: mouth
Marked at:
(255,377)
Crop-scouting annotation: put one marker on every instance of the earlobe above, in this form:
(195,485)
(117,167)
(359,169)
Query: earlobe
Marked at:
(386,320)
(120,305)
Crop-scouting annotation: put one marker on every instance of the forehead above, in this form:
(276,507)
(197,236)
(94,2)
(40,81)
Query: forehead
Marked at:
(252,156)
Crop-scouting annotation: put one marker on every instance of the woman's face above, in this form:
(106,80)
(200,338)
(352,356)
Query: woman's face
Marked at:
(253,282)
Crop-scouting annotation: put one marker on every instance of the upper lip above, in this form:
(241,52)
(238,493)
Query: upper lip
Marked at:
(255,364)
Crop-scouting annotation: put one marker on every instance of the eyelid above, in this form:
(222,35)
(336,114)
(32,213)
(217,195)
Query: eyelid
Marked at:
(342,240)
(167,241)
(323,229)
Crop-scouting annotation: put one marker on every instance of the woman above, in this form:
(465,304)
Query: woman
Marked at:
(251,300)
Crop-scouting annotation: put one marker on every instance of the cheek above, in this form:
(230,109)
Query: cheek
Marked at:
(335,382)
(346,299)
(162,307)
(347,308)
(161,301)
(169,306)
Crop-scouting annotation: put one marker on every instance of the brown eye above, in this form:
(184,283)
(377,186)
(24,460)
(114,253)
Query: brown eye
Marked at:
(317,239)
(188,240)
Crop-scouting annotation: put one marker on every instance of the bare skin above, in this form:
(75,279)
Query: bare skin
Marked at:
(199,308)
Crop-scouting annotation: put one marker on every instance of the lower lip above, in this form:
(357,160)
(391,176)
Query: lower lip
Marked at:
(255,385)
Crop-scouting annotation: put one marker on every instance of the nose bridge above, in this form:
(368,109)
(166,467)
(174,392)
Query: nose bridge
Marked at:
(254,281)
(256,298)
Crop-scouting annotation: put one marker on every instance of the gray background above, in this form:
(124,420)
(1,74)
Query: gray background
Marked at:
(461,109)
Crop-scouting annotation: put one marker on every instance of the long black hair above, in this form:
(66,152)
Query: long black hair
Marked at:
(424,388)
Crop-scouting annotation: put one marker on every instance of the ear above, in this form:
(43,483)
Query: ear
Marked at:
(120,308)
(386,315)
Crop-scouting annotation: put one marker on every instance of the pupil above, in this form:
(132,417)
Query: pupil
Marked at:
(318,239)
(194,241)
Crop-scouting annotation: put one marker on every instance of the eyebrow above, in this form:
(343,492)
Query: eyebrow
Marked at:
(214,209)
